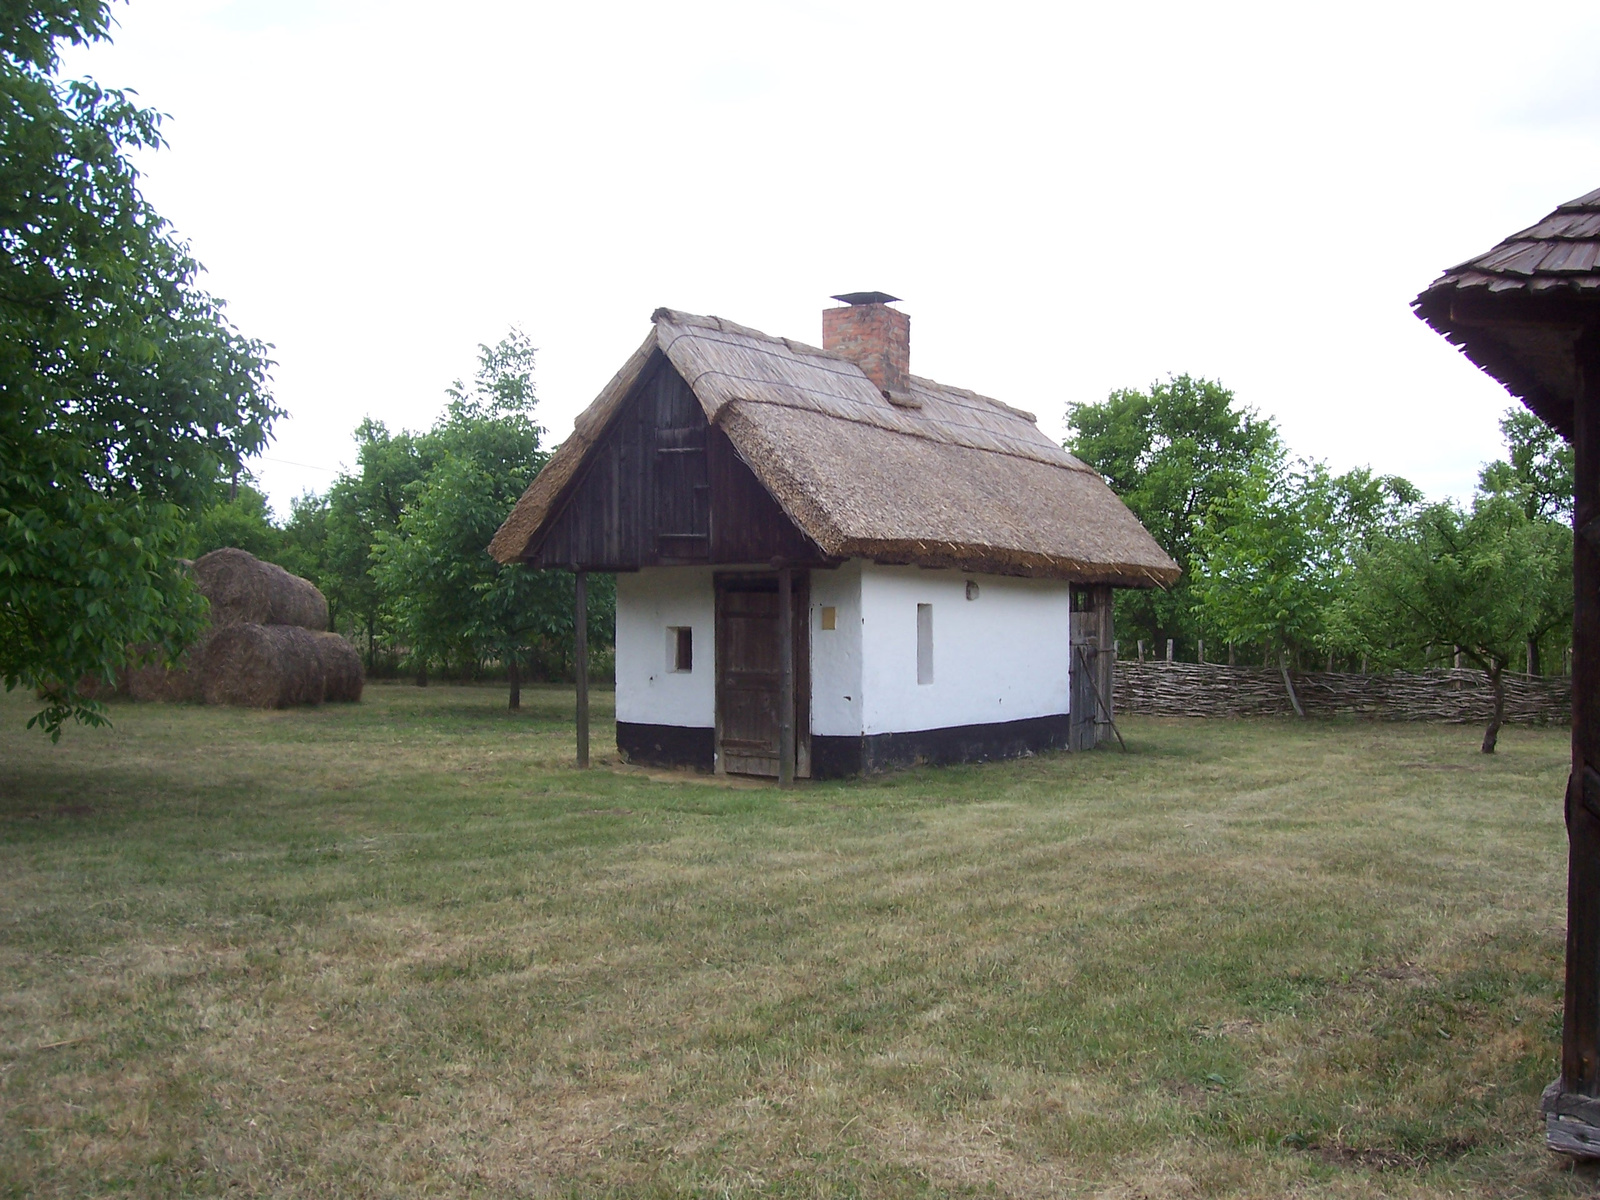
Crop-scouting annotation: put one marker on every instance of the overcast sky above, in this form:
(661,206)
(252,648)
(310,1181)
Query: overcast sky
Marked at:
(1069,198)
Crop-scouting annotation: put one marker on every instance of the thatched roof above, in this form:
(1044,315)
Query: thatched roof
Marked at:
(937,476)
(1516,310)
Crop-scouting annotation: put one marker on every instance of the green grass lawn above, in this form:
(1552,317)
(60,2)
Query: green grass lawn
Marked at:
(404,948)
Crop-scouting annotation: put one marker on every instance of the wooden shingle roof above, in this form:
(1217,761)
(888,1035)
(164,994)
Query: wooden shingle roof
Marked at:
(936,476)
(1516,310)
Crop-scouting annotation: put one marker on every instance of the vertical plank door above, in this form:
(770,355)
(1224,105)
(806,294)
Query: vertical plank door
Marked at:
(748,675)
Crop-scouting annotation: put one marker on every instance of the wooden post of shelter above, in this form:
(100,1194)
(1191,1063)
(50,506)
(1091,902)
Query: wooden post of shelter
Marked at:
(785,674)
(1528,313)
(580,657)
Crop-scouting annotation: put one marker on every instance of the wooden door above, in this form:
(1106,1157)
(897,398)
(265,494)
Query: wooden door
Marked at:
(748,678)
(1083,723)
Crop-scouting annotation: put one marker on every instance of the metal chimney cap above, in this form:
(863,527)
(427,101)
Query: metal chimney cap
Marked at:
(866,298)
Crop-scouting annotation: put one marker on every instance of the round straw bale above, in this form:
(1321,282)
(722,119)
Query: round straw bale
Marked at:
(261,666)
(244,590)
(342,676)
(146,677)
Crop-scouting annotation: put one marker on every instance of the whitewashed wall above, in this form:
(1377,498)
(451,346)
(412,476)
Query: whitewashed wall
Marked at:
(648,603)
(1001,657)
(836,653)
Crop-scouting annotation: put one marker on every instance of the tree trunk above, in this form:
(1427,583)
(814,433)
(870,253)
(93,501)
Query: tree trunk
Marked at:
(1288,684)
(1533,656)
(1496,684)
(372,644)
(514,677)
(422,674)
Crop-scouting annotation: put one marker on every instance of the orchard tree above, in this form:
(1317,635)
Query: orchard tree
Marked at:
(364,508)
(128,394)
(1274,561)
(1537,471)
(240,518)
(1473,580)
(1172,454)
(451,598)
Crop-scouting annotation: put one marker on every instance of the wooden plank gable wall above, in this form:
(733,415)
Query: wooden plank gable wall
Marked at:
(665,488)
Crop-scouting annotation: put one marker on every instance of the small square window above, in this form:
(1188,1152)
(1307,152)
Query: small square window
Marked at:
(680,648)
(830,617)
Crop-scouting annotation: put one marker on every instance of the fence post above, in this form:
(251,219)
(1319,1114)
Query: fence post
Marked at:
(1169,649)
(1200,650)
(1230,654)
(1141,649)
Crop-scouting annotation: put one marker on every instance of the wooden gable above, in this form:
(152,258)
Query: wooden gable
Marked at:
(664,487)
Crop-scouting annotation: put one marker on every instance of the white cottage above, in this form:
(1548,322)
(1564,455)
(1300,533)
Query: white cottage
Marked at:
(947,567)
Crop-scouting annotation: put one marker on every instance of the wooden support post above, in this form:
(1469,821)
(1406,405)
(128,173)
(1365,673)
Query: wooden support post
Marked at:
(1571,1107)
(1200,651)
(580,655)
(785,676)
(1169,649)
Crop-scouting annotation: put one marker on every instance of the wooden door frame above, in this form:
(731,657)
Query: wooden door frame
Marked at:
(801,592)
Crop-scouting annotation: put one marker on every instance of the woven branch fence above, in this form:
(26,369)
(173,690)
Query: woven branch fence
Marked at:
(1174,689)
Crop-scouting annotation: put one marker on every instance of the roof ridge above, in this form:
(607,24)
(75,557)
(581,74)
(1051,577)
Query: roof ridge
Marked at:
(723,325)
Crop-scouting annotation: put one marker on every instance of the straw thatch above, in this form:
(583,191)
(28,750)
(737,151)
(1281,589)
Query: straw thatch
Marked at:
(937,476)
(244,590)
(1514,310)
(342,673)
(262,666)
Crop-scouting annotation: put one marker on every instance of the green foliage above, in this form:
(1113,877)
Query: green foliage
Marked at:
(362,509)
(1276,554)
(242,520)
(1538,470)
(1480,580)
(1172,454)
(450,600)
(128,393)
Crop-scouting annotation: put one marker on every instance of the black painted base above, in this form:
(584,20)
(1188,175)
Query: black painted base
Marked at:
(837,757)
(667,745)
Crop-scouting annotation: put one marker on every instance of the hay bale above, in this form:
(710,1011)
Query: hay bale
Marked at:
(261,666)
(243,590)
(147,678)
(342,675)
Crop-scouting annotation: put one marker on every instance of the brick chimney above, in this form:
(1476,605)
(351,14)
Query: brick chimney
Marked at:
(872,335)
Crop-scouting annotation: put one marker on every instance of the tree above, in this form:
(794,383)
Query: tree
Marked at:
(1172,454)
(241,519)
(1537,472)
(1473,580)
(128,394)
(1274,558)
(451,599)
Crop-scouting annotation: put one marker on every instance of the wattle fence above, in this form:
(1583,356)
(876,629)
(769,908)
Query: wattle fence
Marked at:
(1175,689)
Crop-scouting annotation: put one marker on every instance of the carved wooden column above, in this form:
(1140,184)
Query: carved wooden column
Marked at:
(1571,1105)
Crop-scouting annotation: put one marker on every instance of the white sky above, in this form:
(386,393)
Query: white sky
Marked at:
(1070,198)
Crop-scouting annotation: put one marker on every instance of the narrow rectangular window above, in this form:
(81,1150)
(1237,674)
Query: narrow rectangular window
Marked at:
(924,643)
(830,617)
(680,648)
